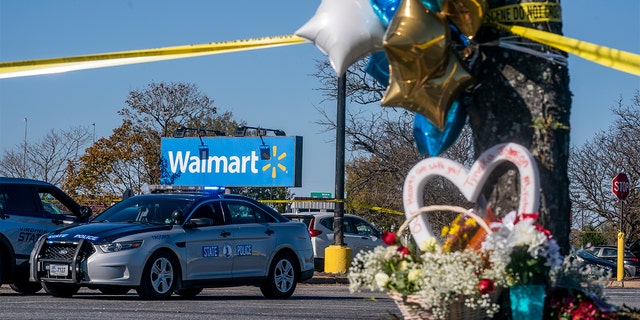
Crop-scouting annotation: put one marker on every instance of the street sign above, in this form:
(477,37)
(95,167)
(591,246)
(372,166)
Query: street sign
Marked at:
(620,186)
(322,195)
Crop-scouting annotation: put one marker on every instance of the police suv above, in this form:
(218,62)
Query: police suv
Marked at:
(29,209)
(160,244)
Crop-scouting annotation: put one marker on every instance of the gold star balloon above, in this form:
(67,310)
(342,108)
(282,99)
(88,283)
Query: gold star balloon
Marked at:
(425,75)
(466,15)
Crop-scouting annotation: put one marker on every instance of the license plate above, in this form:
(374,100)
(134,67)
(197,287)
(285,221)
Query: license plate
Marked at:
(58,270)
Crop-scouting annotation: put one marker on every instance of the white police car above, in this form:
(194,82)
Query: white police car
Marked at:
(159,244)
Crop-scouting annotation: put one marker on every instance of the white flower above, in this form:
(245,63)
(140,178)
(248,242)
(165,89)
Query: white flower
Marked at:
(382,279)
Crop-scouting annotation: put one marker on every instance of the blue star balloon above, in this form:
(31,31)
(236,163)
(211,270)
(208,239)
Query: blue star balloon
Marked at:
(385,9)
(378,68)
(430,140)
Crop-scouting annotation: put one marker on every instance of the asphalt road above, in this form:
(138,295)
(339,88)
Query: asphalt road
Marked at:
(310,301)
(238,303)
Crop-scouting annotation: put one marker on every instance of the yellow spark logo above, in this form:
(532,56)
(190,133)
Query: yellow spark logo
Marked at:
(277,165)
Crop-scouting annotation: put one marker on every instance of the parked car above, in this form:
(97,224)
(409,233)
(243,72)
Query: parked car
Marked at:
(29,209)
(359,234)
(589,260)
(634,247)
(631,264)
(163,243)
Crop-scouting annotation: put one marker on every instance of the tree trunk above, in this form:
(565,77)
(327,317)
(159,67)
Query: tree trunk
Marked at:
(526,100)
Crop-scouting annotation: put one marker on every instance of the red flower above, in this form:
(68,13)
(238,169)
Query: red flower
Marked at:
(389,238)
(404,251)
(486,286)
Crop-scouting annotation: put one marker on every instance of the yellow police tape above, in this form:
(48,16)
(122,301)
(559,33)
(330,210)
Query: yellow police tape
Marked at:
(55,65)
(359,205)
(526,12)
(612,58)
(531,12)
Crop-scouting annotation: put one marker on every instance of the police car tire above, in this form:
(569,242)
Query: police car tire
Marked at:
(159,277)
(26,287)
(61,290)
(189,293)
(282,278)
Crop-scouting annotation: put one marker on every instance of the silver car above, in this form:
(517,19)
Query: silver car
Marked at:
(159,244)
(359,234)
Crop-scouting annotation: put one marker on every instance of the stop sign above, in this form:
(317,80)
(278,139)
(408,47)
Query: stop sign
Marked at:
(620,186)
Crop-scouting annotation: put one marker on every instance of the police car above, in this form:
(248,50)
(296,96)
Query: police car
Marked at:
(160,244)
(28,209)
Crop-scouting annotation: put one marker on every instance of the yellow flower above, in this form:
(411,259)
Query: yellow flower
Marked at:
(445,231)
(414,275)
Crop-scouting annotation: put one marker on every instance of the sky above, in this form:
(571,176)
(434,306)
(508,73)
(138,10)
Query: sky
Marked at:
(270,88)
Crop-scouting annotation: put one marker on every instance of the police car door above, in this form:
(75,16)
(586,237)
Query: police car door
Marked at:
(254,239)
(27,212)
(209,243)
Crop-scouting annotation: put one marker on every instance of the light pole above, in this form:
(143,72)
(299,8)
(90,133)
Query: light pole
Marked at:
(24,157)
(337,257)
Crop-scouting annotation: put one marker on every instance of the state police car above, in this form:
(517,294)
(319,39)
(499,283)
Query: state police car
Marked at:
(159,244)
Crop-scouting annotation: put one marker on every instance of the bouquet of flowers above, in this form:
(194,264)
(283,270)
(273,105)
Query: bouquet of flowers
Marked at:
(524,248)
(436,282)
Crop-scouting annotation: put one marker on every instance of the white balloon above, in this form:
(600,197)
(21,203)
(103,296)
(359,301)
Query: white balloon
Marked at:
(345,30)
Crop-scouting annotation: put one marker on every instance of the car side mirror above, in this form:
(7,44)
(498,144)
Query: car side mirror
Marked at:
(177,216)
(199,222)
(85,213)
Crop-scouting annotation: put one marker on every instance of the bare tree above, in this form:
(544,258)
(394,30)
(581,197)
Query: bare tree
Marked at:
(381,150)
(593,165)
(46,159)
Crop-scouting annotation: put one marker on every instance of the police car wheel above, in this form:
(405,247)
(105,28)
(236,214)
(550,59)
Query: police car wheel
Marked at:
(158,278)
(189,293)
(26,287)
(282,278)
(62,290)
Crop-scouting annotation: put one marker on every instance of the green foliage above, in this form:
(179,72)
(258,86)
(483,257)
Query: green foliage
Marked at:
(590,235)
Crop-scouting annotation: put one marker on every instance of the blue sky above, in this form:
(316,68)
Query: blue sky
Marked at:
(271,88)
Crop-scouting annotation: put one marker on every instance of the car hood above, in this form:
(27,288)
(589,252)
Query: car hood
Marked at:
(100,232)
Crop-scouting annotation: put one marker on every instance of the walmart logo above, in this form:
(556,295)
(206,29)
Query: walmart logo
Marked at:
(277,166)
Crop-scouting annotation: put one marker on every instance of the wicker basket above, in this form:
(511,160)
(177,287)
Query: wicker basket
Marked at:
(412,310)
(410,306)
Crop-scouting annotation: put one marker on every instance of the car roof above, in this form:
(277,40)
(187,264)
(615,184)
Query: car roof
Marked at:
(12,180)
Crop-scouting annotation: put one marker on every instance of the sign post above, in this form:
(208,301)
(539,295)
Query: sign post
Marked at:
(620,187)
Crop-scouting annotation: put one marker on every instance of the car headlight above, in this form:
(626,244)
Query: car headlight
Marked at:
(120,246)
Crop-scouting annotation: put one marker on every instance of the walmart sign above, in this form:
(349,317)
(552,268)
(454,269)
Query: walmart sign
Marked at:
(232,161)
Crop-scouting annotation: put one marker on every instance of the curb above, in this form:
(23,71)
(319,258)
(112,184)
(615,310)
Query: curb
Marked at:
(633,284)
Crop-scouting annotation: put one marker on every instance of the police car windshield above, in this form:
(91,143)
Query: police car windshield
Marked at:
(155,210)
